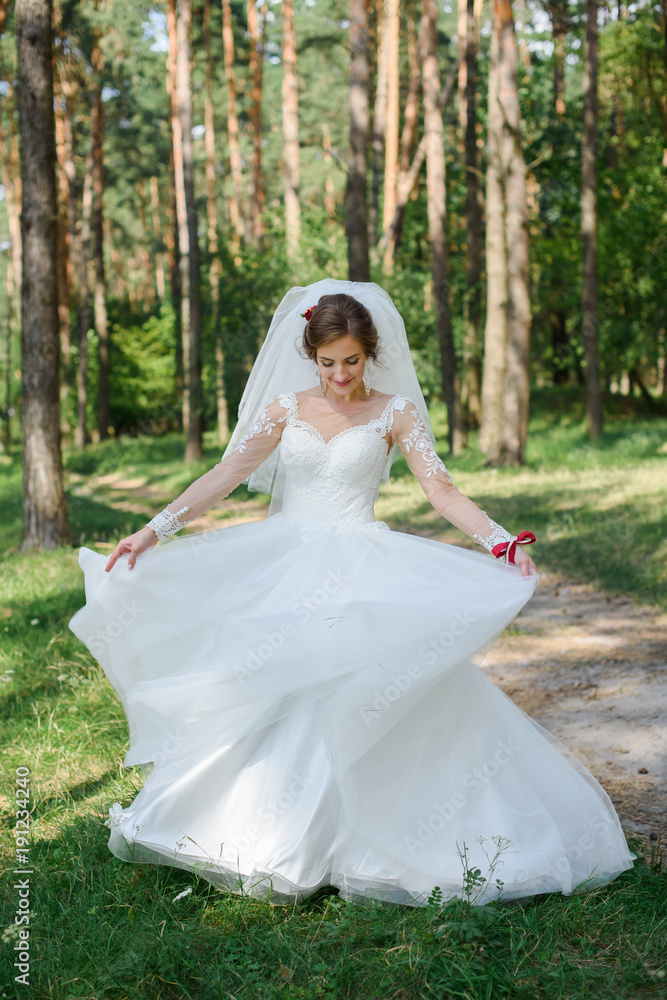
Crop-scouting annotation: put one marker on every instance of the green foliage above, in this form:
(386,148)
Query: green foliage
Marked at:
(136,143)
(142,375)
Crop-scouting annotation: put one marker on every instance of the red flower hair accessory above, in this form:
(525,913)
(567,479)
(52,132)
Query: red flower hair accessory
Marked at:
(308,315)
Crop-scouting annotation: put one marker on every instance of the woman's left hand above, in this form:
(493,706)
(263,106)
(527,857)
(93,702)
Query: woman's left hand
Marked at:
(522,559)
(133,545)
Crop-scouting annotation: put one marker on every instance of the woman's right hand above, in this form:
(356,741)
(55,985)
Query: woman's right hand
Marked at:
(133,545)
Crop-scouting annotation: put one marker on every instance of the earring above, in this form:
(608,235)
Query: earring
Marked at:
(367,386)
(321,382)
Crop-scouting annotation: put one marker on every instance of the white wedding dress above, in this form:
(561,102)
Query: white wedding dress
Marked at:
(307,688)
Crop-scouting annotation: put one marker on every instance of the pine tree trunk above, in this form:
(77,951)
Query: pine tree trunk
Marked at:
(236,203)
(408,180)
(330,192)
(495,333)
(257,196)
(147,289)
(9,330)
(45,523)
(589,227)
(187,233)
(392,235)
(392,121)
(517,384)
(160,282)
(462,32)
(81,432)
(11,179)
(64,230)
(379,117)
(171,239)
(474,232)
(99,299)
(436,198)
(290,132)
(172,230)
(559,17)
(355,198)
(215,269)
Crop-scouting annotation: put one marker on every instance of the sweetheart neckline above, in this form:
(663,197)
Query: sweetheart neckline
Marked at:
(352,427)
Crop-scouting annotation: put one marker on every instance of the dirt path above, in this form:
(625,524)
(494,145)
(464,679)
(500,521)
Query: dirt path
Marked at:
(590,668)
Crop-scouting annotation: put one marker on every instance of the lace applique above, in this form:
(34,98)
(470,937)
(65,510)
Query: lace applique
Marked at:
(167,522)
(498,534)
(263,424)
(419,440)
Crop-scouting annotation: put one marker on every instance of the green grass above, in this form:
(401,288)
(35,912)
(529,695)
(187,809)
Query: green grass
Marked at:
(104,929)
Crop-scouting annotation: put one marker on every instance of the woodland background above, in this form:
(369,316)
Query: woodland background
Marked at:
(210,155)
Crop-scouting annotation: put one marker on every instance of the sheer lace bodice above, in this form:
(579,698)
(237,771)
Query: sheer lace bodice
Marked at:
(334,469)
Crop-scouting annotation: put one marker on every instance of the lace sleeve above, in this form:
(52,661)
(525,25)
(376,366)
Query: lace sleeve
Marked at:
(224,477)
(412,437)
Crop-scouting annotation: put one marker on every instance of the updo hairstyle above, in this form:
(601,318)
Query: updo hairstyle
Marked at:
(333,318)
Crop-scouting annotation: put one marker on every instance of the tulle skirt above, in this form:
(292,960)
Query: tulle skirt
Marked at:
(310,711)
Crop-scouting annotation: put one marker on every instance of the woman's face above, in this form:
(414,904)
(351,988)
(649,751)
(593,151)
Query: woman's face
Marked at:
(341,363)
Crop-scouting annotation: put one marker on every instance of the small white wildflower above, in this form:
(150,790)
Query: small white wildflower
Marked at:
(34,621)
(10,933)
(62,677)
(186,892)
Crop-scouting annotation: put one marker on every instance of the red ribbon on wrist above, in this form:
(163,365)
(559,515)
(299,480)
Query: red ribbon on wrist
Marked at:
(525,538)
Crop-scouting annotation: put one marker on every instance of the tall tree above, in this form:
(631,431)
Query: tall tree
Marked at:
(44,510)
(379,118)
(236,202)
(589,225)
(215,269)
(81,432)
(474,229)
(507,442)
(172,231)
(392,122)
(392,230)
(100,295)
(290,95)
(179,36)
(160,283)
(355,198)
(65,178)
(9,329)
(409,177)
(436,201)
(515,408)
(495,333)
(11,179)
(257,196)
(558,12)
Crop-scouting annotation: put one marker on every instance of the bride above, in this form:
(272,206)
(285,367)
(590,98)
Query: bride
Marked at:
(304,692)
